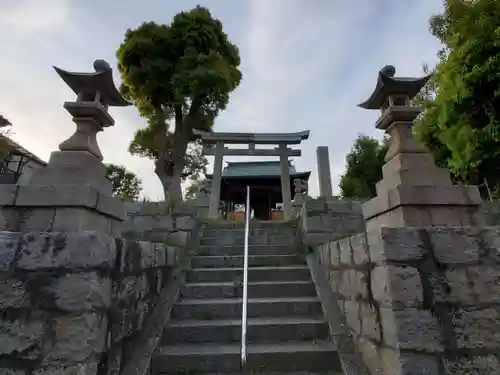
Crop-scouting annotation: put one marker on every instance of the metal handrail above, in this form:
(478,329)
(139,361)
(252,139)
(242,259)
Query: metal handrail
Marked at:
(245,283)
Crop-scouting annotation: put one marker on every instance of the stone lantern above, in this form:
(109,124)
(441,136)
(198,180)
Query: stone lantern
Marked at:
(413,190)
(95,93)
(72,192)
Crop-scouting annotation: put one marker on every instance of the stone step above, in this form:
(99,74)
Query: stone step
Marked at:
(259,330)
(257,289)
(255,227)
(252,250)
(203,358)
(253,372)
(284,273)
(230,308)
(253,261)
(236,239)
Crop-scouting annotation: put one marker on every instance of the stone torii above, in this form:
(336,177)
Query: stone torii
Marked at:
(252,139)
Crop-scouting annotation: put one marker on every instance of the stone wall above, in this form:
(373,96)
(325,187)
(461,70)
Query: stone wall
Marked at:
(325,220)
(420,301)
(74,303)
(492,211)
(149,221)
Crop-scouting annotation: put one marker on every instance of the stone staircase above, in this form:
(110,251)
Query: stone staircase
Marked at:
(286,332)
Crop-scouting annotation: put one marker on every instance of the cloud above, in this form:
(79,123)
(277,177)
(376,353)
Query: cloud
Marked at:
(306,65)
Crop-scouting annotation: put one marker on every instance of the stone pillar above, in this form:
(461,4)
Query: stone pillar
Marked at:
(216,181)
(324,176)
(285,183)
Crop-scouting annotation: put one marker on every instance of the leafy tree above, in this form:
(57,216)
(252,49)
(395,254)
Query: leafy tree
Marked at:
(363,168)
(461,122)
(180,74)
(126,185)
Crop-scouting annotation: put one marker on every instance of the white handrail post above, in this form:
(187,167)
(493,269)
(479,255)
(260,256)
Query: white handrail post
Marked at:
(245,283)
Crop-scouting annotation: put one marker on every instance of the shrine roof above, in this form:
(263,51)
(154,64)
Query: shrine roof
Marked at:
(259,169)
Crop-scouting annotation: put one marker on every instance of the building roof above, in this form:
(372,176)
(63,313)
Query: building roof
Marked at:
(16,148)
(260,169)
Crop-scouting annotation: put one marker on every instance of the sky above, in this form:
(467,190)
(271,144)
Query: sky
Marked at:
(306,66)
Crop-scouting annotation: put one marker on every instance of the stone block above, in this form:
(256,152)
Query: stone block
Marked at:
(185,223)
(80,219)
(88,368)
(359,249)
(8,194)
(111,206)
(9,242)
(369,322)
(179,239)
(315,239)
(481,365)
(147,254)
(13,293)
(80,291)
(12,371)
(485,282)
(39,219)
(395,244)
(476,328)
(315,206)
(66,250)
(340,206)
(456,289)
(353,284)
(333,247)
(455,245)
(323,254)
(21,338)
(352,317)
(10,218)
(410,329)
(76,338)
(394,363)
(370,355)
(345,251)
(397,287)
(60,195)
(335,278)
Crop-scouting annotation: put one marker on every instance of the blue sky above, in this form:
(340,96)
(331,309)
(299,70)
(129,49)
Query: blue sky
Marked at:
(306,65)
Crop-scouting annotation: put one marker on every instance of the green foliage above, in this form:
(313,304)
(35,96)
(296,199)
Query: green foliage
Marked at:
(126,185)
(363,168)
(461,124)
(181,73)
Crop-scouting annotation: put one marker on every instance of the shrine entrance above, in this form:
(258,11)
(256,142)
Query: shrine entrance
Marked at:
(270,183)
(264,180)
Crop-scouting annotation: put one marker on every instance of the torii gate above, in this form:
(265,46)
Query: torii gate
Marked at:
(252,139)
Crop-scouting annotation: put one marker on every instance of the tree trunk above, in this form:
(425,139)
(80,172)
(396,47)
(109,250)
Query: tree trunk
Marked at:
(164,169)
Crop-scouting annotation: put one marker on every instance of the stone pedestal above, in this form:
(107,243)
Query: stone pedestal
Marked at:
(414,192)
(70,194)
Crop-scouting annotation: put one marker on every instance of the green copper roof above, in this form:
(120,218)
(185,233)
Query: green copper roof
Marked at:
(256,169)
